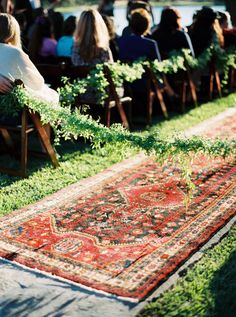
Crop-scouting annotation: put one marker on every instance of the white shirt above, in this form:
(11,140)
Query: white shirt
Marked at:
(15,64)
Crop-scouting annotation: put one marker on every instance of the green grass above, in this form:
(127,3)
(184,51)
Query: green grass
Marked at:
(80,161)
(207,290)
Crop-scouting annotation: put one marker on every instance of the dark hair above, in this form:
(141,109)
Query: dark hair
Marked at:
(43,28)
(222,17)
(57,21)
(169,19)
(140,21)
(69,25)
(206,15)
(137,4)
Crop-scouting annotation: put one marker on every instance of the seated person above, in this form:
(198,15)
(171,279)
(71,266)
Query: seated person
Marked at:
(205,31)
(169,34)
(138,4)
(228,32)
(42,45)
(15,64)
(136,45)
(91,45)
(66,42)
(106,7)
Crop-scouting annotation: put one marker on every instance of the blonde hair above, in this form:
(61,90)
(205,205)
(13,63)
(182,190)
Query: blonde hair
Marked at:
(219,32)
(91,35)
(9,30)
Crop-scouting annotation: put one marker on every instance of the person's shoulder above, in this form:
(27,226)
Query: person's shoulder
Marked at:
(181,32)
(149,40)
(10,48)
(14,51)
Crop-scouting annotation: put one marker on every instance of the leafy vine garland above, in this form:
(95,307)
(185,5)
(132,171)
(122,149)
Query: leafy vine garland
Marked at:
(123,72)
(69,124)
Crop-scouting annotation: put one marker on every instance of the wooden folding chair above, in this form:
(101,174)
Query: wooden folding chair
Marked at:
(113,100)
(24,129)
(184,83)
(154,90)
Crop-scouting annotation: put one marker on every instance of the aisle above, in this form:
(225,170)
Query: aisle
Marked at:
(65,297)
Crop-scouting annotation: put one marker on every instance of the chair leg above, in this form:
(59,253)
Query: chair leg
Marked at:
(211,86)
(161,101)
(218,84)
(107,115)
(183,96)
(149,106)
(45,139)
(8,140)
(24,147)
(122,114)
(193,92)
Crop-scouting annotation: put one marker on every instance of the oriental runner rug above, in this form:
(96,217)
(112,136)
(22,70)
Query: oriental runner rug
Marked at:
(125,230)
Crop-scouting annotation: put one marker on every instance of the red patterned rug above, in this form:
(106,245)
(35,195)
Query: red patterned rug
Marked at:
(126,229)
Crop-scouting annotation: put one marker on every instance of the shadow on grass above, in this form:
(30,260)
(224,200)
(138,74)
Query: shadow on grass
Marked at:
(223,288)
(66,150)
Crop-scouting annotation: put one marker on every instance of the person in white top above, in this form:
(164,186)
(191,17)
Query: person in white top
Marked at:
(15,64)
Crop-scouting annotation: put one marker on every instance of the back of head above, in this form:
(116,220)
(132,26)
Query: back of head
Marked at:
(140,21)
(9,30)
(206,17)
(69,25)
(57,21)
(170,19)
(42,29)
(44,26)
(137,4)
(91,34)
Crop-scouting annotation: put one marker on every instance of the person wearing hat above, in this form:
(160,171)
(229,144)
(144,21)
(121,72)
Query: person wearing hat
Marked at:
(205,30)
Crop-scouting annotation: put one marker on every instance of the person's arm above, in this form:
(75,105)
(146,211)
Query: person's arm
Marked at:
(5,84)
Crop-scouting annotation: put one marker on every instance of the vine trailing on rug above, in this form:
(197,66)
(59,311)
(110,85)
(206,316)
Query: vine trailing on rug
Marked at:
(69,124)
(73,124)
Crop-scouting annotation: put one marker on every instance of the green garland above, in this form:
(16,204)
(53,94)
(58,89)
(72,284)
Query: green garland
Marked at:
(123,72)
(69,124)
(74,124)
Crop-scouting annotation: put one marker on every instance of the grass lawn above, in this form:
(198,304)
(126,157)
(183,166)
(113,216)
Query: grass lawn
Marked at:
(208,286)
(207,290)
